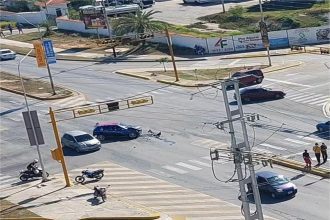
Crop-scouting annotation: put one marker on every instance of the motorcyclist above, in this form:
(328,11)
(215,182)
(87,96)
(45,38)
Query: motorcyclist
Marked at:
(33,166)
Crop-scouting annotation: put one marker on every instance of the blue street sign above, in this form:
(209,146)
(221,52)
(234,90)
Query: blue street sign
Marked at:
(49,51)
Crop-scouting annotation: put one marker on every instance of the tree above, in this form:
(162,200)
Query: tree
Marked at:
(138,24)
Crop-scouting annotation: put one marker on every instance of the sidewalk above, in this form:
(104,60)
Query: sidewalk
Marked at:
(55,201)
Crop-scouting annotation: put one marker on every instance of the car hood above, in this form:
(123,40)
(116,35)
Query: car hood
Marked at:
(285,186)
(90,142)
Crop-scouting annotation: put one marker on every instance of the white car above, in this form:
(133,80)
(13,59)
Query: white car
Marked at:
(6,54)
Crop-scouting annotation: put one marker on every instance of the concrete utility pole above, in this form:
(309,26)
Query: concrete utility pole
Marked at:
(169,42)
(105,14)
(223,6)
(263,20)
(239,152)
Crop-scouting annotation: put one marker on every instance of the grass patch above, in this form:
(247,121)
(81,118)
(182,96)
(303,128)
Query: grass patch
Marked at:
(10,210)
(34,87)
(202,74)
(278,16)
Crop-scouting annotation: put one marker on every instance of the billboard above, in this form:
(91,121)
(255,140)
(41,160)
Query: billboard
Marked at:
(92,16)
(220,45)
(313,35)
(248,42)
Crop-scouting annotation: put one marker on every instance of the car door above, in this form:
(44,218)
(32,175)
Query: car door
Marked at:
(71,142)
(118,131)
(262,183)
(108,131)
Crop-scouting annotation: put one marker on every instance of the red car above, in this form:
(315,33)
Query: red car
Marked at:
(259,94)
(248,77)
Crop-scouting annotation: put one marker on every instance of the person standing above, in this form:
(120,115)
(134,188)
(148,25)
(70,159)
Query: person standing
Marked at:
(20,28)
(307,159)
(324,152)
(1,33)
(317,151)
(10,28)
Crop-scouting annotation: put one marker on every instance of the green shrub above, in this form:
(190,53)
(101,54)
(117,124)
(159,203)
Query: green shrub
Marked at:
(4,24)
(236,12)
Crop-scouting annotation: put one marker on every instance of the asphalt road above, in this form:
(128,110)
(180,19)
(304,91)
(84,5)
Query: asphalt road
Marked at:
(286,127)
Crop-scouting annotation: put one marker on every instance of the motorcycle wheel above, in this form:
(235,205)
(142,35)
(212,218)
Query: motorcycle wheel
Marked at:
(104,197)
(100,176)
(23,178)
(79,179)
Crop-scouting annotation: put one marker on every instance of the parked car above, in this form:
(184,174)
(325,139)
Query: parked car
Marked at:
(259,94)
(109,130)
(323,127)
(6,54)
(248,77)
(80,141)
(274,184)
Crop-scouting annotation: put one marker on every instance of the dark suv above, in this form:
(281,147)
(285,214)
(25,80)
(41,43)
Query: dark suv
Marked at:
(111,130)
(248,77)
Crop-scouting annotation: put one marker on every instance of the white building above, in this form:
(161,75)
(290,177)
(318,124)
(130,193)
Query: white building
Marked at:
(57,8)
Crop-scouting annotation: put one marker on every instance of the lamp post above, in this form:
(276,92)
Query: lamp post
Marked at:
(44,176)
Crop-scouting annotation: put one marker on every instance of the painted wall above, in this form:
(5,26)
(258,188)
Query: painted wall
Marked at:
(77,26)
(312,35)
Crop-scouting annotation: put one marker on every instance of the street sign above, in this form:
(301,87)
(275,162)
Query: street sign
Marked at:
(39,52)
(140,101)
(81,112)
(49,51)
(36,125)
(264,33)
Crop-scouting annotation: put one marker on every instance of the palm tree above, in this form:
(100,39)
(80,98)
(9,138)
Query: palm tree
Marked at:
(138,23)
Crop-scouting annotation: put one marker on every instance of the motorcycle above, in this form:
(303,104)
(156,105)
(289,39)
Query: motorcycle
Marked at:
(100,192)
(25,175)
(97,174)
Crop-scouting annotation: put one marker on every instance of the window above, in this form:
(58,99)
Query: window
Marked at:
(69,137)
(84,137)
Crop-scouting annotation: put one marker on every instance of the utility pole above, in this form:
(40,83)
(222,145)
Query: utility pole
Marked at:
(223,6)
(239,152)
(105,14)
(267,44)
(169,42)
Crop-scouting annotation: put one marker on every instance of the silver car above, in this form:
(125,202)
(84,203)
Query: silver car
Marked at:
(80,141)
(6,54)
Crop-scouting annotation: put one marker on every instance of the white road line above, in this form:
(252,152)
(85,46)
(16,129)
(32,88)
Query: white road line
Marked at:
(200,163)
(312,103)
(8,180)
(234,62)
(4,177)
(296,141)
(289,83)
(155,92)
(166,91)
(272,146)
(177,170)
(299,97)
(315,99)
(66,100)
(261,150)
(292,94)
(188,166)
(309,138)
(311,97)
(321,103)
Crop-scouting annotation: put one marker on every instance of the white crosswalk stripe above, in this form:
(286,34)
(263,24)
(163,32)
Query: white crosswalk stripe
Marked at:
(272,146)
(207,143)
(70,102)
(261,150)
(200,163)
(314,99)
(177,170)
(309,139)
(161,196)
(296,141)
(6,181)
(307,98)
(188,166)
(299,97)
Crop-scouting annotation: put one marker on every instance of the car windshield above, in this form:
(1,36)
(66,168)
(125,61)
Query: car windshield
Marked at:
(277,180)
(5,51)
(123,125)
(84,137)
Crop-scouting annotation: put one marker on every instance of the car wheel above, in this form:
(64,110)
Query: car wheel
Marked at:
(132,135)
(77,149)
(277,96)
(258,80)
(101,137)
(273,195)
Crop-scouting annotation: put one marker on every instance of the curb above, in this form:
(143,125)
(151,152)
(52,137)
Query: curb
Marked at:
(260,55)
(33,96)
(179,84)
(322,172)
(132,75)
(285,67)
(123,218)
(28,218)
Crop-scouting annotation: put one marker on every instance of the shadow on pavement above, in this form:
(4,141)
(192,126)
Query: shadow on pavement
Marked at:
(94,201)
(267,199)
(324,135)
(70,152)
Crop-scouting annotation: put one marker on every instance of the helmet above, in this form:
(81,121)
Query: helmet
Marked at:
(35,160)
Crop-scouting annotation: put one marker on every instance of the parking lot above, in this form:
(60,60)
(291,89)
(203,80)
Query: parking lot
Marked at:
(176,12)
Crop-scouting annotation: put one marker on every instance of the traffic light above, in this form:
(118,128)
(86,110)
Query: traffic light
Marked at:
(113,106)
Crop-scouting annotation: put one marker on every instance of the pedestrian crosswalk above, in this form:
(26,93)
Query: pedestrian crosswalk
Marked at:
(7,181)
(307,97)
(159,195)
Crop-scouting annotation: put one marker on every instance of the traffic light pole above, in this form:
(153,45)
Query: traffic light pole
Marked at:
(239,151)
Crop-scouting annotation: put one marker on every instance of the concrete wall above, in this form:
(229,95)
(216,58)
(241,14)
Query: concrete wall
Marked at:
(35,18)
(77,26)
